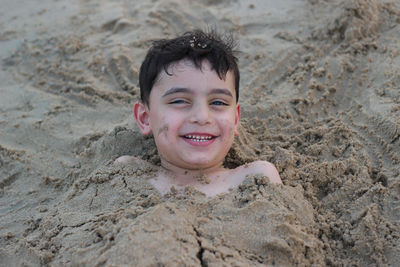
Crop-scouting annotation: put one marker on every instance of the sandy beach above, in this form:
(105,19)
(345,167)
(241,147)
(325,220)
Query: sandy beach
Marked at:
(320,98)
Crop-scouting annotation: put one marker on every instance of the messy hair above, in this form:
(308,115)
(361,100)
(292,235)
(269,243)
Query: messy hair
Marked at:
(195,46)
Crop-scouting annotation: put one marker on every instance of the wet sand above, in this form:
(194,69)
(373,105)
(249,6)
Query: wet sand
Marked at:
(320,97)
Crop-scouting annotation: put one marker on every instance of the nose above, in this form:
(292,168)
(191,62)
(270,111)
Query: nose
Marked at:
(200,114)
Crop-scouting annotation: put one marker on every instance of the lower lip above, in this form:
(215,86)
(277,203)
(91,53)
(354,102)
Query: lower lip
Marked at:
(199,143)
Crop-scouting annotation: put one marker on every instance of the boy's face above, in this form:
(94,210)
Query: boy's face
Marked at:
(192,114)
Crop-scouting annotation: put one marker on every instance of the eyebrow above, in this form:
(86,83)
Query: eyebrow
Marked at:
(175,90)
(221,91)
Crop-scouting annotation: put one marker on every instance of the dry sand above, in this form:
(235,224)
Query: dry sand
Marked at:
(320,95)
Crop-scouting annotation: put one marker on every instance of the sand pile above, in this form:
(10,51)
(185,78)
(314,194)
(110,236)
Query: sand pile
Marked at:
(320,96)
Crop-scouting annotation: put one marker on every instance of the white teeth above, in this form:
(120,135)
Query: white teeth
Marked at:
(198,138)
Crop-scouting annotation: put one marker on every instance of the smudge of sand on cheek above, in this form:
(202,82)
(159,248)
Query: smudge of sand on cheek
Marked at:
(162,129)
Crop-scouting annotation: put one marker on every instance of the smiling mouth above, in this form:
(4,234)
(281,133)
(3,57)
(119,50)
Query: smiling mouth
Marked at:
(199,138)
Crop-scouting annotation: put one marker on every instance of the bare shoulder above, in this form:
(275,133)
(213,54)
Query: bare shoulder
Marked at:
(262,167)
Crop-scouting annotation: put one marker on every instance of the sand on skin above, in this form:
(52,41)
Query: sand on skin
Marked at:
(320,96)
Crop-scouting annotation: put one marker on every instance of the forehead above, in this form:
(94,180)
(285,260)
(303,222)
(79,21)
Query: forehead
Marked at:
(185,73)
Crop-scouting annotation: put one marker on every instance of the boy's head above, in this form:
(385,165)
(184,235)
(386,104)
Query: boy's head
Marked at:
(194,46)
(189,102)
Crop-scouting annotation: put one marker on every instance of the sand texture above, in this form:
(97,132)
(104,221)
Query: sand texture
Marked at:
(320,96)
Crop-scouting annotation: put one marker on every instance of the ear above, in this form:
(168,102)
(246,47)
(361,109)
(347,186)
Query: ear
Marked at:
(237,118)
(141,114)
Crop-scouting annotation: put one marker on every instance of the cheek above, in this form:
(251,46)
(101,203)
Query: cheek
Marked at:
(232,131)
(228,127)
(163,128)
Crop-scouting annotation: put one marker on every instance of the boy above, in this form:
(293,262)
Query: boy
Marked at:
(189,90)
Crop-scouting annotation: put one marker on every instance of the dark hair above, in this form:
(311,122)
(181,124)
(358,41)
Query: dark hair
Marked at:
(195,46)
